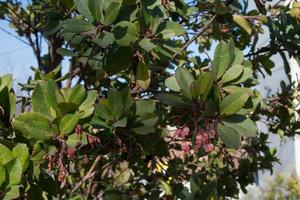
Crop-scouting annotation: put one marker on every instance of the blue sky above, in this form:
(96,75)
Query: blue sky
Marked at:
(15,56)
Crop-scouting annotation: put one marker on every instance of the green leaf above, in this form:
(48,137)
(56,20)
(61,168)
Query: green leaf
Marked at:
(243,22)
(205,83)
(168,29)
(5,155)
(89,101)
(184,80)
(115,103)
(21,152)
(103,112)
(35,126)
(229,136)
(77,95)
(2,174)
(12,104)
(77,26)
(68,123)
(241,124)
(125,33)
(238,56)
(170,99)
(112,12)
(223,58)
(232,73)
(172,84)
(145,106)
(14,170)
(146,44)
(232,103)
(12,193)
(149,119)
(143,130)
(194,88)
(121,123)
(66,107)
(45,98)
(118,59)
(83,7)
(143,76)
(166,187)
(65,52)
(6,81)
(96,8)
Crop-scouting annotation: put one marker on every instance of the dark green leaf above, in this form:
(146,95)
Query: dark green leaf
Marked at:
(143,76)
(145,106)
(229,136)
(65,52)
(171,99)
(125,33)
(241,124)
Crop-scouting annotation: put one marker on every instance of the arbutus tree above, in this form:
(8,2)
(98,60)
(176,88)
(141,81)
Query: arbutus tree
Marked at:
(142,114)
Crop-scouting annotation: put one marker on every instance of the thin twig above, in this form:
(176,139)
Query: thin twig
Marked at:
(90,174)
(195,36)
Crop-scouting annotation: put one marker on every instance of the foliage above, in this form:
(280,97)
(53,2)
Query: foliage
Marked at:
(282,187)
(108,135)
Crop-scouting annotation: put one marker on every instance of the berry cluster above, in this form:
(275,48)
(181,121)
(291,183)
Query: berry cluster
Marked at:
(202,138)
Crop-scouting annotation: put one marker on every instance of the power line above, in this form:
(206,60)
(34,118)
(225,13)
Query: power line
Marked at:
(13,51)
(12,35)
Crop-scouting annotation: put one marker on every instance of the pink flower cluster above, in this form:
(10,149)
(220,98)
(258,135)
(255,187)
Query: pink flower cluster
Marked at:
(202,139)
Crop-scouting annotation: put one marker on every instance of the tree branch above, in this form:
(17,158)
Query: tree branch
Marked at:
(195,36)
(90,174)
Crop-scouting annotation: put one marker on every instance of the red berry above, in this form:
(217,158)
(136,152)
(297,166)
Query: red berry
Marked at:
(208,147)
(70,152)
(185,146)
(185,131)
(178,133)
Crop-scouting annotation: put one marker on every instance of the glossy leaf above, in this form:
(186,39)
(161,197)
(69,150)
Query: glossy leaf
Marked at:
(77,26)
(223,58)
(14,171)
(35,126)
(143,76)
(68,123)
(229,136)
(125,33)
(184,79)
(232,73)
(5,155)
(241,124)
(21,152)
(232,103)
